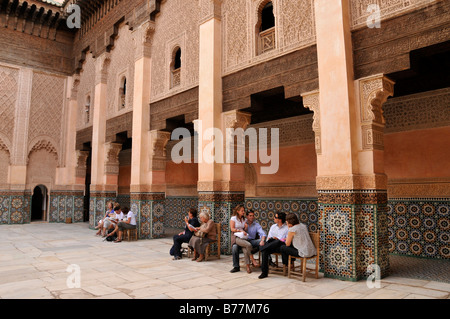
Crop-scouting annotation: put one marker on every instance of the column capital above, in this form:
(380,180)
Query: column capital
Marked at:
(311,100)
(236,119)
(143,39)
(159,140)
(112,151)
(74,86)
(210,9)
(80,170)
(101,68)
(374,92)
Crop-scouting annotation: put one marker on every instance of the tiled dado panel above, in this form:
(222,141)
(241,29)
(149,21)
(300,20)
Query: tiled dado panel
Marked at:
(176,209)
(149,210)
(220,206)
(124,200)
(353,238)
(306,210)
(419,227)
(15,207)
(66,205)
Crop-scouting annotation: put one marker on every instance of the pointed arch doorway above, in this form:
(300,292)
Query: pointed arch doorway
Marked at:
(39,203)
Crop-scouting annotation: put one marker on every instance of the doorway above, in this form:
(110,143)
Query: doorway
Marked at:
(39,203)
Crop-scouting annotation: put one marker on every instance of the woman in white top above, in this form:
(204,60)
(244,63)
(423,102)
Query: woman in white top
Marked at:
(239,227)
(128,223)
(298,241)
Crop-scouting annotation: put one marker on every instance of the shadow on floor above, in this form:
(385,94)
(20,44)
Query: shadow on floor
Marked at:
(420,268)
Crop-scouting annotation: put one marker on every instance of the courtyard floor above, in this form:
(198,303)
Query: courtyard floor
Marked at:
(34,259)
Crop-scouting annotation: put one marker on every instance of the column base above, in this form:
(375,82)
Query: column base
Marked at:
(66,204)
(149,210)
(220,207)
(354,233)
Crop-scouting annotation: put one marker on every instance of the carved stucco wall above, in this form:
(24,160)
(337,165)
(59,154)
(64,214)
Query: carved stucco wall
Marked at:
(46,112)
(41,169)
(295,29)
(176,26)
(122,64)
(389,8)
(86,88)
(8,98)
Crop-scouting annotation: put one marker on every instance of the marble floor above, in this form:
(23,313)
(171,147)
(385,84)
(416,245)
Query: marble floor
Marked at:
(66,261)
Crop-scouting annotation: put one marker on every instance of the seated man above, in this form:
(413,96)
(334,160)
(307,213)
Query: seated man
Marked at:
(256,238)
(128,223)
(111,221)
(191,222)
(275,239)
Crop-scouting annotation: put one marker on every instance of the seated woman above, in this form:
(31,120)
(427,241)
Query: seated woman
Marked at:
(199,244)
(127,223)
(111,221)
(238,226)
(191,223)
(298,241)
(110,210)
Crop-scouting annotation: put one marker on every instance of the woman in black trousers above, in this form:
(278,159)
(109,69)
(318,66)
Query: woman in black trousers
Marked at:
(184,237)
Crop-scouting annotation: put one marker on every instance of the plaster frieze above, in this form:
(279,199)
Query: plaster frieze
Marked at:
(311,101)
(374,92)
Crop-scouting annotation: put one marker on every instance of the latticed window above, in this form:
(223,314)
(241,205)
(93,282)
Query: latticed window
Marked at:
(87,110)
(176,68)
(266,29)
(122,93)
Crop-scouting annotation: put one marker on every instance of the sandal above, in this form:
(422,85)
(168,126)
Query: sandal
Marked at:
(118,240)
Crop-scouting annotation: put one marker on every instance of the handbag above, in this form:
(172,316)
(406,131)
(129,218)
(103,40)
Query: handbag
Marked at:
(241,235)
(200,234)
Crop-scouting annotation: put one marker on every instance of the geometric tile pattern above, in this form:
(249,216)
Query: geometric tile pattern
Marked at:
(15,207)
(353,237)
(149,210)
(419,227)
(264,208)
(66,205)
(220,207)
(176,209)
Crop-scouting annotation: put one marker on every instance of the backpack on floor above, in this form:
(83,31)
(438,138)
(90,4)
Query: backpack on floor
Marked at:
(113,237)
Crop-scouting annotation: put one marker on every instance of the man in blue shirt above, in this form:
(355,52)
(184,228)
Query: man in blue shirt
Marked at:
(256,237)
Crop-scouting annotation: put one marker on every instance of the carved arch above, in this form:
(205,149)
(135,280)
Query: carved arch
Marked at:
(43,143)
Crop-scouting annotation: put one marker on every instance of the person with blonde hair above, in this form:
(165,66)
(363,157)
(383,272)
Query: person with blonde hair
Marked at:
(203,235)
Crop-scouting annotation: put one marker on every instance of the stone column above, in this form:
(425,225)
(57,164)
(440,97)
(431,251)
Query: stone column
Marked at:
(101,192)
(19,197)
(148,186)
(69,185)
(217,189)
(351,187)
(148,204)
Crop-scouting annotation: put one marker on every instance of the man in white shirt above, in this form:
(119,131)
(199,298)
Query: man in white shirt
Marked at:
(128,223)
(112,221)
(275,239)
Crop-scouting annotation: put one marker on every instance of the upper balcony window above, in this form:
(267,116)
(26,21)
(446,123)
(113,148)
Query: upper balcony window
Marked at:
(176,68)
(122,93)
(87,110)
(266,29)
